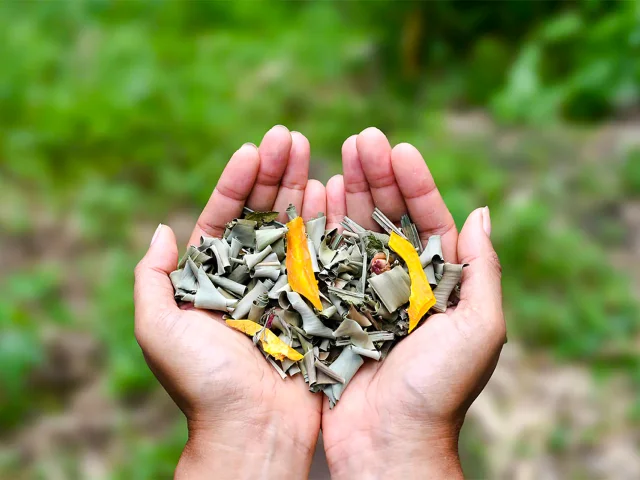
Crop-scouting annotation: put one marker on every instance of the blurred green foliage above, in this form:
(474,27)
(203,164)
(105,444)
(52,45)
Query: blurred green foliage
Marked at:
(116,114)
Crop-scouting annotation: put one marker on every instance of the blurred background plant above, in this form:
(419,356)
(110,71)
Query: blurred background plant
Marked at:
(120,115)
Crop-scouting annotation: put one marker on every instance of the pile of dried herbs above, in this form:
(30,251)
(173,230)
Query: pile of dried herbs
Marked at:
(318,302)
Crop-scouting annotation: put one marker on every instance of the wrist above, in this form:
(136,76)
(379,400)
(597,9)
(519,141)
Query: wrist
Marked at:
(385,454)
(245,450)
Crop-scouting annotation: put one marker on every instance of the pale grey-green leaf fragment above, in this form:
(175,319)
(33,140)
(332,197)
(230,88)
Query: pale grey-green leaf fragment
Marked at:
(208,297)
(254,258)
(365,352)
(234,287)
(450,278)
(351,328)
(244,305)
(235,248)
(310,323)
(244,231)
(432,250)
(393,288)
(240,274)
(309,362)
(315,229)
(268,236)
(321,367)
(346,366)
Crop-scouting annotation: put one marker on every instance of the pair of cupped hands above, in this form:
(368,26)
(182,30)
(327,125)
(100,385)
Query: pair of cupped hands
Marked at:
(398,418)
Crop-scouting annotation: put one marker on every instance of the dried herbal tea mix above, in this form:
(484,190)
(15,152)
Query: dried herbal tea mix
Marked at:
(318,302)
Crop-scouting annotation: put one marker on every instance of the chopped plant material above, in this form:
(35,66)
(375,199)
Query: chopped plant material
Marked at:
(319,302)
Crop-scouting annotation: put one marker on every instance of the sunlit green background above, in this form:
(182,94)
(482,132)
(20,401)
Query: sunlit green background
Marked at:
(117,116)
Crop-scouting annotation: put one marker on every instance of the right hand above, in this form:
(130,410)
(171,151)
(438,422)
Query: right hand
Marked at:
(243,419)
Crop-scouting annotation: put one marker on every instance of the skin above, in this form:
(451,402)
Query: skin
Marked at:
(399,418)
(231,396)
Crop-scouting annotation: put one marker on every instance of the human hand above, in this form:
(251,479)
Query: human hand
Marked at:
(243,420)
(401,417)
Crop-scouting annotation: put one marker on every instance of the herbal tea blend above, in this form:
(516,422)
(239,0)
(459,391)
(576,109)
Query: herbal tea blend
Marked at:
(318,302)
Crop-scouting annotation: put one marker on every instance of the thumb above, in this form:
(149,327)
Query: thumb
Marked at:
(153,291)
(481,291)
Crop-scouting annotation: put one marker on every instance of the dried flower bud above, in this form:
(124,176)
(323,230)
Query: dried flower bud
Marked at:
(379,263)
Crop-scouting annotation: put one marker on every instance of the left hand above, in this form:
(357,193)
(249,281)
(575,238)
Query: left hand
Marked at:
(401,417)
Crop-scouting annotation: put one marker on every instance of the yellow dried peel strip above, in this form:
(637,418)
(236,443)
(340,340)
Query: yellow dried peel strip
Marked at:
(299,267)
(271,344)
(422,298)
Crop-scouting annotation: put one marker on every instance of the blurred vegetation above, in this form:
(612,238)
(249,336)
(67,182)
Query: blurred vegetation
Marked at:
(115,115)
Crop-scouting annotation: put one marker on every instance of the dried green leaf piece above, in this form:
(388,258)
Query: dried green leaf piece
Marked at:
(310,323)
(315,229)
(433,251)
(353,330)
(450,278)
(208,297)
(393,288)
(268,236)
(346,365)
(261,217)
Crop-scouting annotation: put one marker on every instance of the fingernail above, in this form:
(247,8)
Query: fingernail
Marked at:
(155,235)
(249,144)
(486,221)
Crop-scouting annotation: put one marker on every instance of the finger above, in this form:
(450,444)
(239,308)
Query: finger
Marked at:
(153,291)
(358,196)
(274,155)
(336,202)
(229,196)
(315,200)
(481,291)
(294,180)
(374,152)
(424,203)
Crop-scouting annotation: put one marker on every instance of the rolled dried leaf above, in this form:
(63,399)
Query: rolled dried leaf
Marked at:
(244,305)
(257,307)
(272,273)
(268,236)
(431,251)
(293,370)
(346,366)
(208,297)
(309,363)
(431,275)
(393,287)
(253,259)
(299,267)
(325,253)
(234,287)
(281,282)
(221,250)
(422,298)
(310,323)
(240,274)
(269,340)
(235,248)
(351,328)
(450,278)
(386,224)
(315,229)
(381,336)
(314,257)
(278,248)
(244,231)
(374,354)
(321,367)
(324,379)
